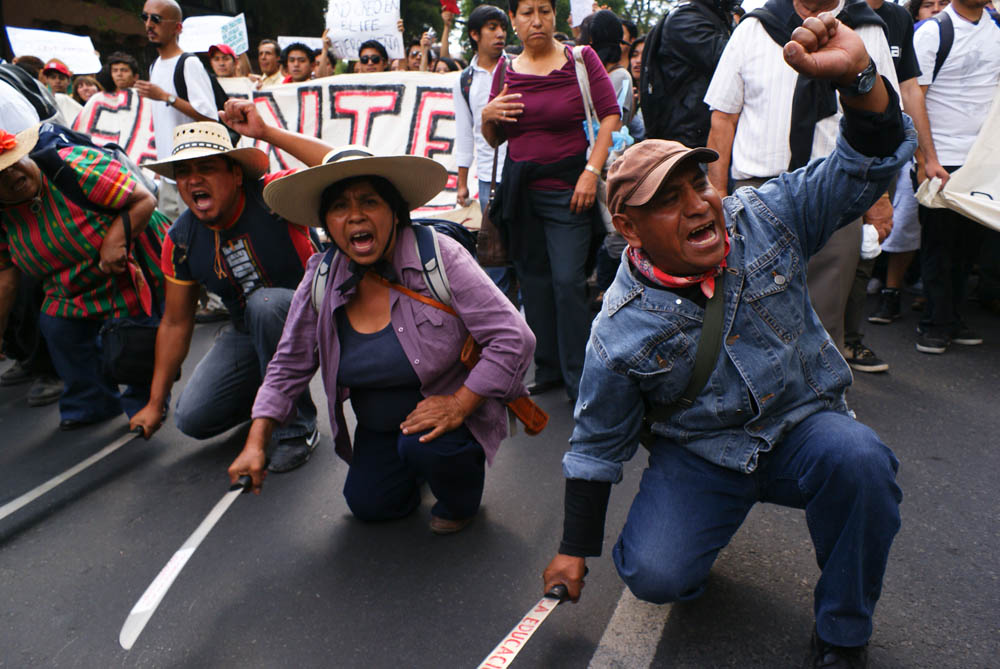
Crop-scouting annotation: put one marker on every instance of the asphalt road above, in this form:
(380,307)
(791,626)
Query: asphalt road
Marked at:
(290,579)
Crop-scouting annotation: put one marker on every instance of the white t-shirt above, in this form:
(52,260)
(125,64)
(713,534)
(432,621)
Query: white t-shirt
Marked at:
(754,81)
(959,99)
(200,96)
(469,140)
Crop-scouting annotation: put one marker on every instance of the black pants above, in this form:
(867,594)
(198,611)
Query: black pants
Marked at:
(22,340)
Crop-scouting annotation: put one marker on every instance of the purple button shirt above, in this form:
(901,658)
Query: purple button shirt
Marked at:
(431,339)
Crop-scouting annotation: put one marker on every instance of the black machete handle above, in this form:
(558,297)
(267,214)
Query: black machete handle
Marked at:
(560,592)
(243,483)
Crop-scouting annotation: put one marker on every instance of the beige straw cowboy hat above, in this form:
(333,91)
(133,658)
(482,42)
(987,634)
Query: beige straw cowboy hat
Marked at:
(209,138)
(15,147)
(296,197)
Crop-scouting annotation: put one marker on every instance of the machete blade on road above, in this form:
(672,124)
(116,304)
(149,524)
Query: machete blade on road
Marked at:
(511,645)
(146,606)
(33,494)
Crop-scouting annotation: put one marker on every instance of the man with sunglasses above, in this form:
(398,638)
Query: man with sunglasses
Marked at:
(162,19)
(372,57)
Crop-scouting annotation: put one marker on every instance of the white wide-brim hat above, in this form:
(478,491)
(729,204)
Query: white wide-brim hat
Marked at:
(296,197)
(209,138)
(22,145)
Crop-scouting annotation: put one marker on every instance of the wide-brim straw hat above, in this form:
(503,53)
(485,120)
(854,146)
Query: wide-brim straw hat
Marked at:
(296,197)
(209,138)
(24,142)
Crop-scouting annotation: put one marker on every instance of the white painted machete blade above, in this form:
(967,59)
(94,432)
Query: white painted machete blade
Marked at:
(33,494)
(146,606)
(507,650)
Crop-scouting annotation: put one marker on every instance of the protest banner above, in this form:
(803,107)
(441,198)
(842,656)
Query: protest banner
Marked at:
(391,113)
(579,10)
(77,51)
(234,33)
(352,22)
(201,32)
(313,43)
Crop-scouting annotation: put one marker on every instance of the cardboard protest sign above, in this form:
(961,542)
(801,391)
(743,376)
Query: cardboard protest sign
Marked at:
(392,113)
(313,43)
(77,51)
(352,22)
(234,33)
(579,10)
(201,32)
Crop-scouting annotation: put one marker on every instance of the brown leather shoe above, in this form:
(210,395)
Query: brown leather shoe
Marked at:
(446,526)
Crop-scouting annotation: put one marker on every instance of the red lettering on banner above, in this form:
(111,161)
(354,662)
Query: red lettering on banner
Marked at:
(271,115)
(514,635)
(493,657)
(510,639)
(361,105)
(124,118)
(434,107)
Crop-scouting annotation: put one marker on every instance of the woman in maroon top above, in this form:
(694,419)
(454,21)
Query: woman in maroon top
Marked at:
(549,185)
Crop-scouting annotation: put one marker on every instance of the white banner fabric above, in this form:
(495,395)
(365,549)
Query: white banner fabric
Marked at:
(77,51)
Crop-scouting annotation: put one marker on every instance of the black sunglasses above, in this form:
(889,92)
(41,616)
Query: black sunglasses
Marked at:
(155,18)
(375,60)
(414,54)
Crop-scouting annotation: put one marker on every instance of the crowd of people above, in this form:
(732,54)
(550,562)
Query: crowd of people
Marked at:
(723,191)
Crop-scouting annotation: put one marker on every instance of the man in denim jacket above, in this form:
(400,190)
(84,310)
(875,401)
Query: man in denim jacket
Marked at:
(770,423)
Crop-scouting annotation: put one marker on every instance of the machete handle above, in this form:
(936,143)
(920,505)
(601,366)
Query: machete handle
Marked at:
(560,592)
(242,483)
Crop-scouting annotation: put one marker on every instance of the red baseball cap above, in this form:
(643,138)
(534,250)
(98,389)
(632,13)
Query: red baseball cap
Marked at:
(223,48)
(58,66)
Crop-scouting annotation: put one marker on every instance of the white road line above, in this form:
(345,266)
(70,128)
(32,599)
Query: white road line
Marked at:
(632,635)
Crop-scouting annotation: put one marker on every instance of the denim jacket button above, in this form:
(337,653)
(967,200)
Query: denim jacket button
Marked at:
(678,301)
(779,279)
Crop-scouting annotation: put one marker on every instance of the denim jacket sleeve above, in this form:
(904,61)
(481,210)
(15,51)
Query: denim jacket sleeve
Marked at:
(828,193)
(608,418)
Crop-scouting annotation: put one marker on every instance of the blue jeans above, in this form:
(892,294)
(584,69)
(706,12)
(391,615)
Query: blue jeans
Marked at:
(88,396)
(501,276)
(384,478)
(834,467)
(220,393)
(553,275)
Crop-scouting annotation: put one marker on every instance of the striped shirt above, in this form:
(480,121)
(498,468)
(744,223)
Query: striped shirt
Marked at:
(58,242)
(754,81)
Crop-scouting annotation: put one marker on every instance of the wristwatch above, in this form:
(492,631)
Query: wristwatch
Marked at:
(171,99)
(864,82)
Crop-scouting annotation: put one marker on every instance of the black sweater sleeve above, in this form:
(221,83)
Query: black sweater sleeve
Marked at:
(875,135)
(586,505)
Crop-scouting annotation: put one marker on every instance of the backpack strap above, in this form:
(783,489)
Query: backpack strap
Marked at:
(704,361)
(322,277)
(947,30)
(429,252)
(465,85)
(180,84)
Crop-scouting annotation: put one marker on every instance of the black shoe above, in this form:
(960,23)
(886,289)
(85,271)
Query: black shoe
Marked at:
(888,307)
(293,453)
(825,655)
(45,390)
(929,342)
(542,387)
(68,424)
(16,375)
(966,337)
(863,359)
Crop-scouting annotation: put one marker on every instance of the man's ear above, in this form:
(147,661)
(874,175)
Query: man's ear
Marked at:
(626,228)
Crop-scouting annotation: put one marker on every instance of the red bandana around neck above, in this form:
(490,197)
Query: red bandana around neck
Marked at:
(644,265)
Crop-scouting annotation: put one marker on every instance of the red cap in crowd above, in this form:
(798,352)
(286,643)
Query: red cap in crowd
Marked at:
(59,66)
(224,48)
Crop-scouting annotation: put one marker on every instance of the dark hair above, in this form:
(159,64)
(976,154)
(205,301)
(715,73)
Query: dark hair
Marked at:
(512,5)
(297,46)
(603,32)
(635,45)
(629,25)
(480,16)
(452,64)
(382,186)
(124,58)
(31,64)
(560,37)
(374,44)
(274,43)
(914,7)
(83,79)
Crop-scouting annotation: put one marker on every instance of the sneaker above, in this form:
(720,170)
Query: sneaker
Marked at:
(293,453)
(16,375)
(863,359)
(966,337)
(874,285)
(825,655)
(45,390)
(888,307)
(928,342)
(447,526)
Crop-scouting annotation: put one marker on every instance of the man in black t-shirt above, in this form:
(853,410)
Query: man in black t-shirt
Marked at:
(900,38)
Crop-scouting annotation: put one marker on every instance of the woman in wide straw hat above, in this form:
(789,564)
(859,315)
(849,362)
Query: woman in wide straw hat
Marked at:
(422,415)
(70,237)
